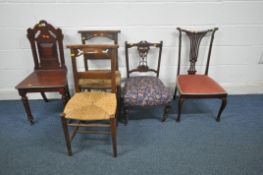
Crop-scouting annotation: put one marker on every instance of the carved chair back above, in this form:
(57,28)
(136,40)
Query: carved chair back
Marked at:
(195,38)
(143,48)
(98,52)
(47,46)
(87,35)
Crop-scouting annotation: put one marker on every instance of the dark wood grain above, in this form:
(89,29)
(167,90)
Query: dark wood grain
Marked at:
(50,72)
(214,90)
(143,48)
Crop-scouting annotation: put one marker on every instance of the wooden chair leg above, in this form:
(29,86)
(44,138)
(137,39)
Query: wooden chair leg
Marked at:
(66,134)
(175,92)
(223,105)
(117,113)
(68,94)
(65,97)
(180,105)
(44,96)
(113,136)
(125,115)
(165,112)
(118,103)
(27,108)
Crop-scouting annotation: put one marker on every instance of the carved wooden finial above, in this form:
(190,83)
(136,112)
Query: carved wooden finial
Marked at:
(42,23)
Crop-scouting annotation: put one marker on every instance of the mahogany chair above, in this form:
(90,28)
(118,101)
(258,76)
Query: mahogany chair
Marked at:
(90,109)
(193,86)
(50,72)
(95,36)
(141,90)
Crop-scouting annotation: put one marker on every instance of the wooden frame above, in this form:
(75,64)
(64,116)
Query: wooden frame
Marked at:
(143,48)
(87,35)
(195,38)
(50,72)
(78,51)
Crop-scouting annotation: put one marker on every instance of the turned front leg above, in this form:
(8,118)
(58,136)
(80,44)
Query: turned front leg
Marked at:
(27,107)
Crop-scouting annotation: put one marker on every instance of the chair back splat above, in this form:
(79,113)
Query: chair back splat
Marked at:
(143,48)
(47,47)
(195,38)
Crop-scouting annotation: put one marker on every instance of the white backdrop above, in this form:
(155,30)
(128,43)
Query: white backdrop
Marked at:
(237,51)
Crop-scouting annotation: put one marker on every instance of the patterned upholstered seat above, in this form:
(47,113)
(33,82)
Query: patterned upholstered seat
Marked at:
(146,91)
(91,106)
(99,83)
(141,90)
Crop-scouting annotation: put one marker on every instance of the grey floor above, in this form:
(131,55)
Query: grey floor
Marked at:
(196,145)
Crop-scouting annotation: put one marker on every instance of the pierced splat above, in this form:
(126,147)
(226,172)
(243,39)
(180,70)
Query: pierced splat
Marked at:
(143,48)
(195,38)
(47,48)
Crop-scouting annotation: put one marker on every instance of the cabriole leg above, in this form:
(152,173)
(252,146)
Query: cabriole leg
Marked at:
(223,105)
(166,110)
(180,106)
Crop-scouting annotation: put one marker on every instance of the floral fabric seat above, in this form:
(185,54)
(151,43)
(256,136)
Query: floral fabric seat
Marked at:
(146,91)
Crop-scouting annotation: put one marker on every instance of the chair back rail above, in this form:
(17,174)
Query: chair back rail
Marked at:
(87,35)
(79,51)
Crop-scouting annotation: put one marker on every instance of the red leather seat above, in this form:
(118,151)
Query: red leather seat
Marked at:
(192,85)
(198,85)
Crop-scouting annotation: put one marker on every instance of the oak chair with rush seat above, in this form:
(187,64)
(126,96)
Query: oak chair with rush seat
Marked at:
(141,90)
(90,109)
(193,86)
(50,72)
(100,37)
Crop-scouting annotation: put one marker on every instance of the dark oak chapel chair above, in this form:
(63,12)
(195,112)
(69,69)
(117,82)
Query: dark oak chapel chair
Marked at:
(141,90)
(100,37)
(50,72)
(193,86)
(91,109)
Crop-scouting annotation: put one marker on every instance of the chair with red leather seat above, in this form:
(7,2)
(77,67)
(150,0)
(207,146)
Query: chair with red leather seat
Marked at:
(192,85)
